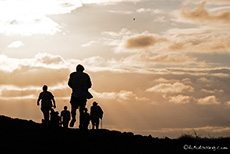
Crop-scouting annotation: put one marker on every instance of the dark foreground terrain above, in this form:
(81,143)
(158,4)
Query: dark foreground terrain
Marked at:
(22,136)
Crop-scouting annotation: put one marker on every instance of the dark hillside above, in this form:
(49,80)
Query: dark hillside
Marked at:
(22,136)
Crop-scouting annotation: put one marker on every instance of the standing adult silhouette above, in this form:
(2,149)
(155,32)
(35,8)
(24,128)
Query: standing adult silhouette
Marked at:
(46,97)
(96,113)
(79,82)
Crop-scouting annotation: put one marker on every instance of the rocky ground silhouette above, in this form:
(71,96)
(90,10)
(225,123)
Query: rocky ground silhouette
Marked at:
(23,136)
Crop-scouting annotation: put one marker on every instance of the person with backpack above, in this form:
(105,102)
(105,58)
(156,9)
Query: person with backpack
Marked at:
(96,113)
(46,98)
(79,82)
(65,117)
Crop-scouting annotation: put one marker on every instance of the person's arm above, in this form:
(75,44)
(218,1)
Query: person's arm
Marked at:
(101,112)
(89,82)
(54,102)
(39,98)
(38,101)
(70,82)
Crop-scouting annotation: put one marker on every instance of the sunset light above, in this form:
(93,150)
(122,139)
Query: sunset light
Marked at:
(158,67)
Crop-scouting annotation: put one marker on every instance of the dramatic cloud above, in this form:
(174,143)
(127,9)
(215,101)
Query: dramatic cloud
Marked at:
(212,44)
(28,17)
(211,33)
(12,92)
(202,15)
(215,91)
(140,42)
(54,70)
(34,76)
(177,42)
(203,79)
(43,69)
(40,60)
(49,59)
(176,87)
(119,96)
(208,100)
(31,92)
(168,58)
(180,99)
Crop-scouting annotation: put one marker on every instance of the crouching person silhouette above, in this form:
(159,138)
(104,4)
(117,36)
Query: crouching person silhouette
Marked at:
(96,113)
(46,98)
(79,82)
(65,117)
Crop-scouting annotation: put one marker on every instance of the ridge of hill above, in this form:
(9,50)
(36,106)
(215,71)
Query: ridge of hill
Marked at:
(23,136)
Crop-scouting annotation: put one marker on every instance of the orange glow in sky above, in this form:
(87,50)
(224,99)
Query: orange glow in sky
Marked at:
(165,73)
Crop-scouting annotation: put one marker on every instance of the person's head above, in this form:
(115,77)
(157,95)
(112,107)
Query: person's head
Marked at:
(45,88)
(80,68)
(85,110)
(95,103)
(65,107)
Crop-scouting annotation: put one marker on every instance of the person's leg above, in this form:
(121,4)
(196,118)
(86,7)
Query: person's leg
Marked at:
(81,116)
(65,124)
(46,115)
(97,123)
(74,106)
(81,109)
(73,113)
(93,122)
(93,125)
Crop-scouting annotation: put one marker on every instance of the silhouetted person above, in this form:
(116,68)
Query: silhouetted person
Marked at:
(55,119)
(96,113)
(46,105)
(65,117)
(86,119)
(79,82)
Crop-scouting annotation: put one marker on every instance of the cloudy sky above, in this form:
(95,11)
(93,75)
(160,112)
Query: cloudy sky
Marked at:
(158,67)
